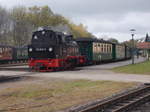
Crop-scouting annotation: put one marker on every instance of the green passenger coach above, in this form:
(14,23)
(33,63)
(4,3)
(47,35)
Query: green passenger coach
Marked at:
(95,50)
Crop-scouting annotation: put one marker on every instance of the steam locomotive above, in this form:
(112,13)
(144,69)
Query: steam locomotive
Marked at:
(51,50)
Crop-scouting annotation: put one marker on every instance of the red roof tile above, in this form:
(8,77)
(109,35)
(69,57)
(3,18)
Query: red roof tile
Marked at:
(143,45)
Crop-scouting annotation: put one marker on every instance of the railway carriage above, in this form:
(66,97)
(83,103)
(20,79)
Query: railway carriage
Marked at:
(9,54)
(5,53)
(95,50)
(20,53)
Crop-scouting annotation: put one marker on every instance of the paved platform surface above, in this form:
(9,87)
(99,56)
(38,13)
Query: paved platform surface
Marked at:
(117,64)
(97,72)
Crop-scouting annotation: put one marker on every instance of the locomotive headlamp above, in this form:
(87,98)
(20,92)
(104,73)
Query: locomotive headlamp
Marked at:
(50,49)
(35,37)
(43,32)
(30,49)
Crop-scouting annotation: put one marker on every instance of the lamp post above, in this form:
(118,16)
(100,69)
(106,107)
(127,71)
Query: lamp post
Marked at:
(132,34)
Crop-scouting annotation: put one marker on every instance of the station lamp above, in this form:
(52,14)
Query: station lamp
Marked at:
(133,46)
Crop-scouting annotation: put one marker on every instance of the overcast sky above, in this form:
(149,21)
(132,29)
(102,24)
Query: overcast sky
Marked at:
(113,18)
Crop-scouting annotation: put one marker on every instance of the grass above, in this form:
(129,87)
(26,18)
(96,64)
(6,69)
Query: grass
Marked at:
(49,96)
(141,68)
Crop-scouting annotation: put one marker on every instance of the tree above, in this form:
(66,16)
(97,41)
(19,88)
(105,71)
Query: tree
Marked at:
(130,43)
(4,26)
(17,24)
(113,40)
(79,30)
(40,16)
(21,27)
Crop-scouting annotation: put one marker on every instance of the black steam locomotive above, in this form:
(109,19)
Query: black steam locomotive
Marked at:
(51,50)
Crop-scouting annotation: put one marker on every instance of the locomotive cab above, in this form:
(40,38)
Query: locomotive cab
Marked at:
(42,45)
(47,44)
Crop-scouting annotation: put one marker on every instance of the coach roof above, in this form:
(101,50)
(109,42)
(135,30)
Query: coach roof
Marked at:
(88,39)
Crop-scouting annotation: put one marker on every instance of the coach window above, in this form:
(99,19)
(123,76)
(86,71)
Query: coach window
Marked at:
(109,48)
(1,50)
(75,51)
(95,47)
(104,48)
(101,47)
(98,47)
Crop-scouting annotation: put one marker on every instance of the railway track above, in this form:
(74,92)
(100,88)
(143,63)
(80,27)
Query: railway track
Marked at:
(9,78)
(15,64)
(120,103)
(16,77)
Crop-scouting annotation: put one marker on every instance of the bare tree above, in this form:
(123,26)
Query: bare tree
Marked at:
(4,26)
(21,27)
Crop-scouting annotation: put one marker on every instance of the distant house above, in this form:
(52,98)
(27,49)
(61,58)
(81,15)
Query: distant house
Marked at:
(147,39)
(145,46)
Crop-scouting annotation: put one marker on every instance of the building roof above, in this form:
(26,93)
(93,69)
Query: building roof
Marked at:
(143,45)
(88,39)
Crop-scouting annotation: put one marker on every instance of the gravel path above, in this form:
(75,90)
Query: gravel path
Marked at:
(97,72)
(100,72)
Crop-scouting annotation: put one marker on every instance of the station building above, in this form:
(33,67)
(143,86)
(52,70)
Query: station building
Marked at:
(144,46)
